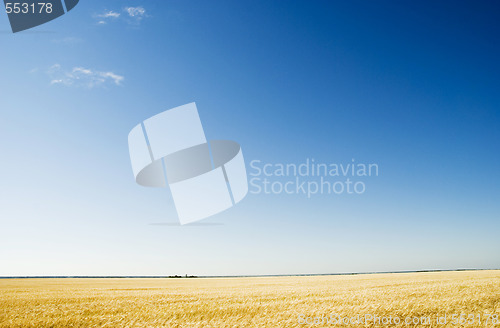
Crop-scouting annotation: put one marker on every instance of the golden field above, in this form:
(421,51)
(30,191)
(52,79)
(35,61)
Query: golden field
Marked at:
(253,302)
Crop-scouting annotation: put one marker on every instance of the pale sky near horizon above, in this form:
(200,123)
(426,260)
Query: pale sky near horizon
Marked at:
(410,86)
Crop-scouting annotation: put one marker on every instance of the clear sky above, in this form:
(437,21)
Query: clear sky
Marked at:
(410,85)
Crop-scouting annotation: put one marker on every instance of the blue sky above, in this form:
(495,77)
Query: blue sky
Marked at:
(411,86)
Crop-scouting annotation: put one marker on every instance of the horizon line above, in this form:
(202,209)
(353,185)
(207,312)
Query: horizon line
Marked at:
(241,276)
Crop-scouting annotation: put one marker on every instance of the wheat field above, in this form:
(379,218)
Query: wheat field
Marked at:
(307,301)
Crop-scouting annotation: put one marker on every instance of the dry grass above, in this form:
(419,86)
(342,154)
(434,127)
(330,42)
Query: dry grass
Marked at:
(246,302)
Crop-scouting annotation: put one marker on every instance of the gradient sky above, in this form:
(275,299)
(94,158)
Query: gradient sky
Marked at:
(413,86)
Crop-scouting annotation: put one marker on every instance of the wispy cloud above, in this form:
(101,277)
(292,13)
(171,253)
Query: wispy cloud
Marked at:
(82,77)
(131,15)
(109,14)
(106,16)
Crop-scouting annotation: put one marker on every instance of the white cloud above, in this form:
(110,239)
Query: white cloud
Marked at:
(81,70)
(138,12)
(131,15)
(109,14)
(82,77)
(116,78)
